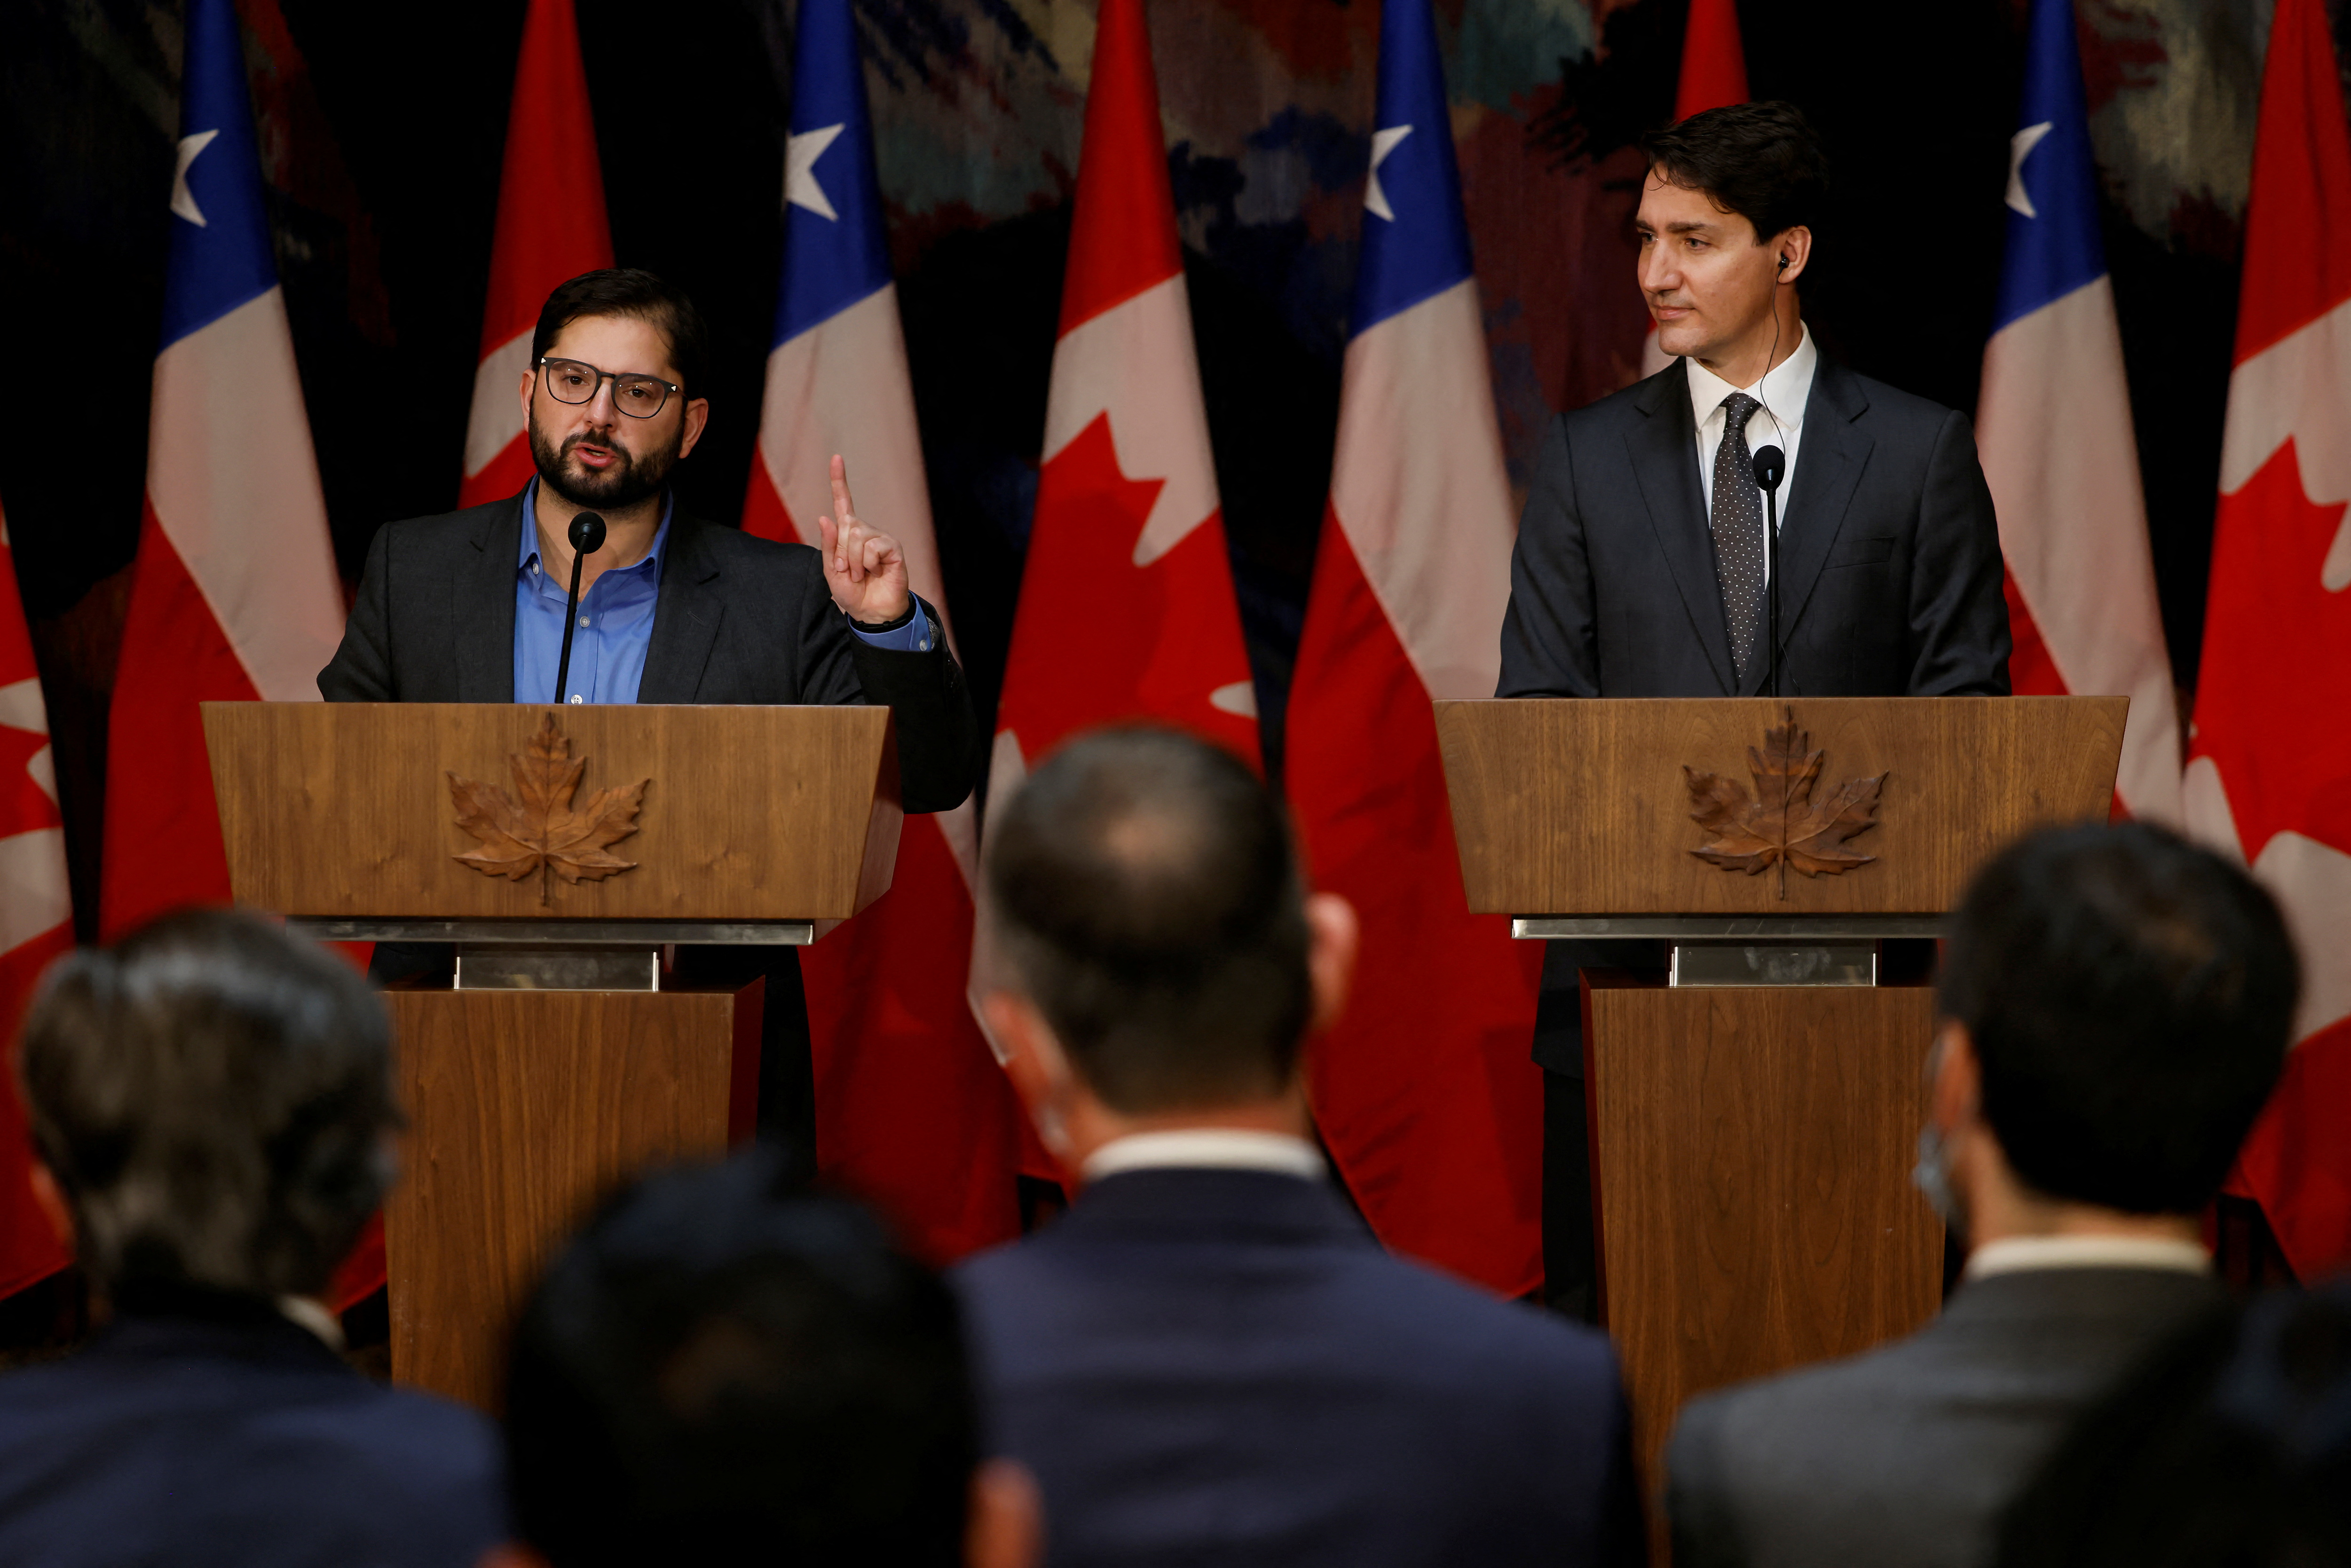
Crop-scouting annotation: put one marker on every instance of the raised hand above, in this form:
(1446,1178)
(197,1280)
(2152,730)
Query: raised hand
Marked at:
(863,566)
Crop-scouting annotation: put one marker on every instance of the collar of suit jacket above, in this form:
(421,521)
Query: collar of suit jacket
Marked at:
(1207,1148)
(2017,1254)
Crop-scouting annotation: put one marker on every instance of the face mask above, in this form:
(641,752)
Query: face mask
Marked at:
(1932,1177)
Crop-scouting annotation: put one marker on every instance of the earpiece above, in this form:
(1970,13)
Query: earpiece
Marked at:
(1783,264)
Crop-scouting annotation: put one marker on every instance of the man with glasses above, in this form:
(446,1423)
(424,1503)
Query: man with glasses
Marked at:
(470,606)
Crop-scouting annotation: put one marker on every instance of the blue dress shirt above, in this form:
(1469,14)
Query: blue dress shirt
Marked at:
(615,622)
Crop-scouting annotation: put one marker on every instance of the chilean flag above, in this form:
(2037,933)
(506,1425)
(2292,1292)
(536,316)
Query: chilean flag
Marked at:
(36,921)
(1714,73)
(911,1109)
(2053,429)
(1423,1092)
(233,595)
(2269,772)
(550,228)
(1126,601)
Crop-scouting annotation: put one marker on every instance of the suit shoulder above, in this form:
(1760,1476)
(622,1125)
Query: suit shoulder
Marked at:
(1890,404)
(447,527)
(1623,404)
(733,549)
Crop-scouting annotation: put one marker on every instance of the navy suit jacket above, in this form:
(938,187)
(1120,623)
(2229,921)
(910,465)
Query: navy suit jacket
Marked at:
(1223,1366)
(237,1439)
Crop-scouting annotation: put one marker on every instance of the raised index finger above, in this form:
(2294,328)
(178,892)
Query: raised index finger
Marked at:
(841,506)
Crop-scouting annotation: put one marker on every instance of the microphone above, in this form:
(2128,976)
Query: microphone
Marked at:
(587,536)
(1770,468)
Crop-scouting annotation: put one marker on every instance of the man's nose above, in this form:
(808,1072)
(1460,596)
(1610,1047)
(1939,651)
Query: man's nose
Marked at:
(1658,275)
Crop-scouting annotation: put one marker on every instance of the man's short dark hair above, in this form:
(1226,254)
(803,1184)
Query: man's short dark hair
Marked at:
(724,1368)
(1761,161)
(631,291)
(1146,899)
(215,1097)
(2130,997)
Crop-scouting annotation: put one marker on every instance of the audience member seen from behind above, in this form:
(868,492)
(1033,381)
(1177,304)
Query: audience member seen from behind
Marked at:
(723,1369)
(2231,1445)
(212,1105)
(2115,1008)
(1209,1358)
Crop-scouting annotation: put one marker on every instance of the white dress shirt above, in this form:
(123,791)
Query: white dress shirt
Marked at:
(1207,1149)
(1778,423)
(2015,1254)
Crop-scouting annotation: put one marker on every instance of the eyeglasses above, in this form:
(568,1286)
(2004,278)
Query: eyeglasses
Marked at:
(639,397)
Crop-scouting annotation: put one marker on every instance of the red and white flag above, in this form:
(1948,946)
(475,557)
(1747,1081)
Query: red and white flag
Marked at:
(912,1111)
(2269,775)
(234,593)
(550,228)
(1714,73)
(2053,429)
(1126,601)
(36,921)
(1424,1091)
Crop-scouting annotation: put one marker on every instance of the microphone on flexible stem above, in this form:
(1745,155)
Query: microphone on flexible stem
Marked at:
(1771,466)
(586,538)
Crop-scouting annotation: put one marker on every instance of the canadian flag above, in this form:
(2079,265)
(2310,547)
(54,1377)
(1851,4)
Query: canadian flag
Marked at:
(36,921)
(233,594)
(1126,600)
(913,1113)
(1714,73)
(550,228)
(2053,428)
(2269,774)
(1424,1091)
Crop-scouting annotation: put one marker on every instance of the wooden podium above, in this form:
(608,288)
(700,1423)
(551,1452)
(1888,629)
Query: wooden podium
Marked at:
(564,853)
(1754,1113)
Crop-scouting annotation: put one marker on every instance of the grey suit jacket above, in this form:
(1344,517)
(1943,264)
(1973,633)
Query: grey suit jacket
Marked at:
(739,619)
(1889,558)
(1905,1457)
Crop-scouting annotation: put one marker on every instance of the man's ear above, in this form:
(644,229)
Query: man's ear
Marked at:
(1955,1098)
(1794,246)
(529,382)
(697,414)
(1006,1525)
(1034,1060)
(51,1199)
(1333,935)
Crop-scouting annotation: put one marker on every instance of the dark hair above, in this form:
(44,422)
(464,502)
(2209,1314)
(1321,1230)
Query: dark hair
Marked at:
(1146,897)
(1761,161)
(2230,1443)
(721,1367)
(630,292)
(2130,997)
(214,1097)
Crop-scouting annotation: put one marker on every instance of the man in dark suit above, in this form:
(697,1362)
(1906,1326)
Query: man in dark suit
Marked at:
(470,606)
(1208,1359)
(211,1101)
(1642,569)
(724,1368)
(2117,1006)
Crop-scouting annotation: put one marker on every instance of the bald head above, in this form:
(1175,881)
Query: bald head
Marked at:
(1145,897)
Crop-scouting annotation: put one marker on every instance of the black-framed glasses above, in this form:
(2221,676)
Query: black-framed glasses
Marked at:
(574,381)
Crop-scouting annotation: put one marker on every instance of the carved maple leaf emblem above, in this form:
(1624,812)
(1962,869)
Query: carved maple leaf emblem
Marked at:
(1781,824)
(536,829)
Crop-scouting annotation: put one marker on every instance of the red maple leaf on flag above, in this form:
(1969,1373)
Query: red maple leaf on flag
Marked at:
(2272,694)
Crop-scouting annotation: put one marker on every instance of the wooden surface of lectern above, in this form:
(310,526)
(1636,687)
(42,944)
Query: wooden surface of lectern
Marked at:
(1754,1110)
(564,853)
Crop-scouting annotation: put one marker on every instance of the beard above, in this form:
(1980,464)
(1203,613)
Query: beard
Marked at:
(632,477)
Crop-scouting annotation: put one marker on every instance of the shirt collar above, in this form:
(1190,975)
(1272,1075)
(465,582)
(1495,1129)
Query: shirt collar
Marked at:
(1784,390)
(529,547)
(2017,1254)
(1207,1149)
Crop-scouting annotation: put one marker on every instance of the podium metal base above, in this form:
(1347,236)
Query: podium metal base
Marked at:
(1773,963)
(511,966)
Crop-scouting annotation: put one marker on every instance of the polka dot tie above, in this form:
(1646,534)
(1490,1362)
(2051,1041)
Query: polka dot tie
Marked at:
(1738,534)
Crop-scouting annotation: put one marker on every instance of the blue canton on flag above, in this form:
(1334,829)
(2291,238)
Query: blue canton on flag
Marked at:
(1416,242)
(220,230)
(834,251)
(2053,185)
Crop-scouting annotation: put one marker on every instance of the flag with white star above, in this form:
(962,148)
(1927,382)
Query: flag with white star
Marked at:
(234,593)
(1425,1090)
(2053,430)
(911,1109)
